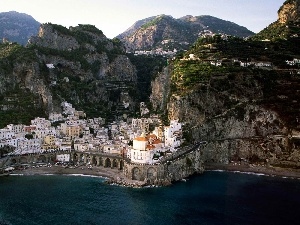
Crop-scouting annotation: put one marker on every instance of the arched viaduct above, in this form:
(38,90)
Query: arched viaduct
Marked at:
(88,158)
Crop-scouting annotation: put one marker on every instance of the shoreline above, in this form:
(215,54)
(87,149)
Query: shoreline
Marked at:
(255,169)
(111,176)
(116,177)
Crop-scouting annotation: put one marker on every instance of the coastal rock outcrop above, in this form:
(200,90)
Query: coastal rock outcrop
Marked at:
(246,108)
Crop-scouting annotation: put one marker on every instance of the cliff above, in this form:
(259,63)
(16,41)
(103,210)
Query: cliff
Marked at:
(289,12)
(243,113)
(88,70)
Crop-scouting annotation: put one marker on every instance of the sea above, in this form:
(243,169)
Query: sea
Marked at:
(213,198)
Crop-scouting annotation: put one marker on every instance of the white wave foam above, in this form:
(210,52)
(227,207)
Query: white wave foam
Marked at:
(84,175)
(251,173)
(217,170)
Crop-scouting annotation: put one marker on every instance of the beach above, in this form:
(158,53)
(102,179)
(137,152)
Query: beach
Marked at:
(257,169)
(115,176)
(112,176)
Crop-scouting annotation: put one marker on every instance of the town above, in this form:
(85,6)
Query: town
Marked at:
(73,132)
(68,138)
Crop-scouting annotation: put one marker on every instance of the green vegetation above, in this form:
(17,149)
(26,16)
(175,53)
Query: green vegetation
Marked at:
(188,73)
(76,55)
(152,22)
(29,136)
(273,32)
(14,53)
(90,28)
(19,107)
(61,29)
(277,31)
(147,68)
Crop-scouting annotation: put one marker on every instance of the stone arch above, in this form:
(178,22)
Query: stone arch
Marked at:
(42,159)
(23,160)
(136,173)
(75,157)
(107,162)
(87,158)
(151,173)
(52,158)
(94,161)
(115,163)
(121,164)
(80,159)
(100,161)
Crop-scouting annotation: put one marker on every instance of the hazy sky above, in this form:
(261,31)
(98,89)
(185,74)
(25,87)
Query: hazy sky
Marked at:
(115,16)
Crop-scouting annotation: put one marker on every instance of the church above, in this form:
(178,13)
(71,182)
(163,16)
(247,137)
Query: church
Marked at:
(144,148)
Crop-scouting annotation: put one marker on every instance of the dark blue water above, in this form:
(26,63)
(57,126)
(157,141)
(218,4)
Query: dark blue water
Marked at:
(212,198)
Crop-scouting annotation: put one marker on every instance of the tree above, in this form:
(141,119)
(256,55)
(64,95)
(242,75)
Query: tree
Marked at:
(29,136)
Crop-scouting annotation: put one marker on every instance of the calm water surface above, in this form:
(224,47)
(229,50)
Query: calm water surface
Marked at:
(211,198)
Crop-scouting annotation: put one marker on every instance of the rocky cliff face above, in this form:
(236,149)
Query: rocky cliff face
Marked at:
(235,121)
(242,113)
(289,12)
(48,37)
(90,71)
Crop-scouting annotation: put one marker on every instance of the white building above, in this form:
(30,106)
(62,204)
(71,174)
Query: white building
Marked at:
(50,66)
(6,133)
(41,123)
(53,117)
(144,148)
(112,149)
(293,62)
(63,158)
(173,134)
(26,146)
(14,141)
(16,128)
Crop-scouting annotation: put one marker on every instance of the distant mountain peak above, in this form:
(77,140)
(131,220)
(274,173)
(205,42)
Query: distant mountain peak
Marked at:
(17,27)
(151,32)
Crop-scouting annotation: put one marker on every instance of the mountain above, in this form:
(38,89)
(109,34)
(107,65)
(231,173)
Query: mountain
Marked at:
(164,31)
(17,27)
(239,96)
(287,25)
(78,65)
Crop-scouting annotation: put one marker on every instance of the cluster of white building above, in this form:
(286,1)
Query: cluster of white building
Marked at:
(89,135)
(293,62)
(217,62)
(158,51)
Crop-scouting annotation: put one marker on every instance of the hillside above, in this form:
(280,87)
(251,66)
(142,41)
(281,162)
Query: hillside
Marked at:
(168,33)
(79,65)
(287,26)
(240,96)
(17,27)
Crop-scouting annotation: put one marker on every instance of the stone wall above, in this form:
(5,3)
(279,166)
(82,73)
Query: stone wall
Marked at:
(174,169)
